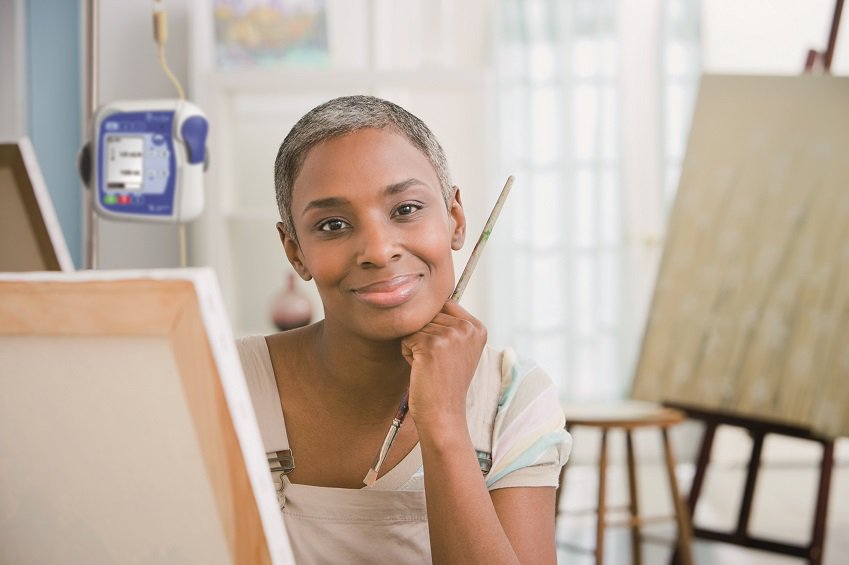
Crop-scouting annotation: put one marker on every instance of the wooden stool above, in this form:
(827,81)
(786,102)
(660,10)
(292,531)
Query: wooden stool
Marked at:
(627,416)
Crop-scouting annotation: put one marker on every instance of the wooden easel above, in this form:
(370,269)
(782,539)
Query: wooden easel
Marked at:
(826,56)
(759,428)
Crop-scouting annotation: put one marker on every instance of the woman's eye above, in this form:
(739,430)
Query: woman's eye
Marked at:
(332,225)
(407,209)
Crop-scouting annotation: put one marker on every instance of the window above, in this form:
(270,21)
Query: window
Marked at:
(570,78)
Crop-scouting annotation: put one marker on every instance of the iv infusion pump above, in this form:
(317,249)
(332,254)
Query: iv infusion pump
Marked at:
(148,160)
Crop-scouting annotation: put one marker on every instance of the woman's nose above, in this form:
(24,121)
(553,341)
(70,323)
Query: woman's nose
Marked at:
(378,244)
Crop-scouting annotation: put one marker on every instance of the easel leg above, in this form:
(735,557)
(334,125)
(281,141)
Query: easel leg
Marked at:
(818,534)
(749,489)
(701,466)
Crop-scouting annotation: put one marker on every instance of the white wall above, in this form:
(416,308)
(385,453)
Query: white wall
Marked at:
(757,36)
(769,36)
(13,110)
(438,76)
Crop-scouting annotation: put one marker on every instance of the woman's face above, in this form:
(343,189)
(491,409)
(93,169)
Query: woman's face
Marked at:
(374,233)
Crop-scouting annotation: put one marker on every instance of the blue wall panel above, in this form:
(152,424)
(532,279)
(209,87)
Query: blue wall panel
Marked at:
(54,98)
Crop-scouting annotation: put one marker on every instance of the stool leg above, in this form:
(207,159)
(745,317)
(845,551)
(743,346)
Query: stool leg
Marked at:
(681,514)
(633,507)
(602,480)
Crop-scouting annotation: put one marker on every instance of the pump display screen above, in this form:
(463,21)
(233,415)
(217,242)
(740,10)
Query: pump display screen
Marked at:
(124,162)
(136,164)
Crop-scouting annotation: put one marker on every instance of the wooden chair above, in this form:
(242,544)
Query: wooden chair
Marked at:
(628,416)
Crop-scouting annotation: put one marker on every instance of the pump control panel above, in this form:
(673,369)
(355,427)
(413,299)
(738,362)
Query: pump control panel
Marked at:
(149,157)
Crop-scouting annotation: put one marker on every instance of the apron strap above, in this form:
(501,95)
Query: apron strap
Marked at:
(265,396)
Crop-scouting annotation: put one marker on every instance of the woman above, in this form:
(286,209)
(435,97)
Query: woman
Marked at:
(368,212)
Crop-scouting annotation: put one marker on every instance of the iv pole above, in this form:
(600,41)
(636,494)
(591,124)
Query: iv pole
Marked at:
(92,94)
(86,159)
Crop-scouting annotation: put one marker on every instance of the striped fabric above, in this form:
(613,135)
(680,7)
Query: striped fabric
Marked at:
(530,443)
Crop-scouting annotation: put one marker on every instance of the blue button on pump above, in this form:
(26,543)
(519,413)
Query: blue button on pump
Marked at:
(194,131)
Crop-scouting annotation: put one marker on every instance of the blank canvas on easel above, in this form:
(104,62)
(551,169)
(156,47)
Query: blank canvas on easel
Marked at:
(127,433)
(751,308)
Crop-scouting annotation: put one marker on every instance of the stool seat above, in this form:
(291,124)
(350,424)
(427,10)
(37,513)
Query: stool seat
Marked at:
(627,415)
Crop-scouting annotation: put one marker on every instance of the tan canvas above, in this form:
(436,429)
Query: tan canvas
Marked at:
(751,309)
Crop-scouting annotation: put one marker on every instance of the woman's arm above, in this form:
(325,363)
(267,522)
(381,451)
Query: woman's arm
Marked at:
(463,524)
(466,524)
(527,516)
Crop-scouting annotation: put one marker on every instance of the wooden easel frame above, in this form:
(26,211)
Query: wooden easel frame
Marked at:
(825,57)
(758,430)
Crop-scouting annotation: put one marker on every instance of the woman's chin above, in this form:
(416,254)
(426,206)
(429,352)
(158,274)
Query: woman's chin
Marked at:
(398,327)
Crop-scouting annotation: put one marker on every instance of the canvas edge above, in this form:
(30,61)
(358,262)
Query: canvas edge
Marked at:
(223,347)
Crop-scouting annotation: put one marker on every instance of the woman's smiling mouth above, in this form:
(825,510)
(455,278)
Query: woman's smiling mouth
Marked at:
(390,292)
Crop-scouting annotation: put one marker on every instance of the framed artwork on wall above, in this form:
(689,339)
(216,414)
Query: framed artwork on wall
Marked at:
(261,33)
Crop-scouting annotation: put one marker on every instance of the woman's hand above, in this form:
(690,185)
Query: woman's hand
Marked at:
(443,357)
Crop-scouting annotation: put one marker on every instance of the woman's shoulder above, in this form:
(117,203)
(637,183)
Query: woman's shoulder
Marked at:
(522,381)
(492,396)
(502,374)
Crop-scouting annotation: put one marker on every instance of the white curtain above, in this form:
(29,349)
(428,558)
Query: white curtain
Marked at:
(593,106)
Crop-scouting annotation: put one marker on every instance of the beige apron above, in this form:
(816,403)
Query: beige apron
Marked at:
(333,525)
(384,523)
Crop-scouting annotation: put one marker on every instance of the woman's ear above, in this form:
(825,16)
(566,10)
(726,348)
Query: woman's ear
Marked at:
(458,217)
(293,253)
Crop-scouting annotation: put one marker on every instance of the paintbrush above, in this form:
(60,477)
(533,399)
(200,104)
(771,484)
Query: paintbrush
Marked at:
(371,476)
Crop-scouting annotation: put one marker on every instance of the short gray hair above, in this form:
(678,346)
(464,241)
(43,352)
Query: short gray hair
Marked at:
(341,116)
